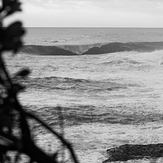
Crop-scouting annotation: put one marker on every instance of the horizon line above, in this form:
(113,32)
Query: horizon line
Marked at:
(84,27)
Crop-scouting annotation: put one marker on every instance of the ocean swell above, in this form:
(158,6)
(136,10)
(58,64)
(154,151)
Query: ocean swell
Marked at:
(45,50)
(92,48)
(82,114)
(131,46)
(59,83)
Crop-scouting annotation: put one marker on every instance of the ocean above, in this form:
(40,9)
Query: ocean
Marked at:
(108,81)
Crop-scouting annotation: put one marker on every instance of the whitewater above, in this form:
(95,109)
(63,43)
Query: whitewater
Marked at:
(109,82)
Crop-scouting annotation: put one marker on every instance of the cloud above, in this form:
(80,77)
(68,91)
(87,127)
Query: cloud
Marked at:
(94,12)
(116,5)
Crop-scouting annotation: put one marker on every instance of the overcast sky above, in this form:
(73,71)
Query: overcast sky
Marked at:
(92,13)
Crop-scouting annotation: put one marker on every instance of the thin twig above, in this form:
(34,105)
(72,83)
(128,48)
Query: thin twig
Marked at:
(61,120)
(74,157)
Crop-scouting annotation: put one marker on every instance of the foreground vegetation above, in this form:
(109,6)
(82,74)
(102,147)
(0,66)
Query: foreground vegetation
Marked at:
(15,133)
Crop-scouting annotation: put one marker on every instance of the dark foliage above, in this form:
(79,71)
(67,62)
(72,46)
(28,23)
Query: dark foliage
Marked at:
(13,117)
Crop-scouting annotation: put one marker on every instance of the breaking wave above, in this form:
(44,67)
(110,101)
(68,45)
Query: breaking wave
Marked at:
(92,48)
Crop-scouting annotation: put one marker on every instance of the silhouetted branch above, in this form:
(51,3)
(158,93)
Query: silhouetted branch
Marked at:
(61,120)
(66,143)
(12,115)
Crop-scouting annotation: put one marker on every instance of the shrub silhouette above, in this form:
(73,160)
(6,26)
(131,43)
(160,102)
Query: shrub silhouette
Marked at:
(12,115)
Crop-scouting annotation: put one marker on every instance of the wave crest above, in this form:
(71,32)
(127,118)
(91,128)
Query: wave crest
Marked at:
(92,48)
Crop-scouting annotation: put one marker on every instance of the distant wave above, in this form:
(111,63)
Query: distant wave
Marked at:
(93,48)
(121,47)
(45,50)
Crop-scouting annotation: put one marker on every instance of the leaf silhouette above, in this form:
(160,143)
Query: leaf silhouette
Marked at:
(18,87)
(12,40)
(17,28)
(23,73)
(11,6)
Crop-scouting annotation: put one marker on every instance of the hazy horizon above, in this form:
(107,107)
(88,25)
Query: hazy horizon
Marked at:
(92,13)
